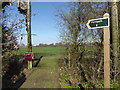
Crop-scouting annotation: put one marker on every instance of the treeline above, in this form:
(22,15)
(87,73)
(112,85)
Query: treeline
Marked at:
(83,63)
(52,44)
(63,44)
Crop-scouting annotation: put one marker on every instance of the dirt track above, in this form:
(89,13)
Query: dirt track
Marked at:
(45,75)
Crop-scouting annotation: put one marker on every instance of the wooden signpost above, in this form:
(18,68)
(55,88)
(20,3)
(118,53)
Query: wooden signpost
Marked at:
(104,23)
(106,55)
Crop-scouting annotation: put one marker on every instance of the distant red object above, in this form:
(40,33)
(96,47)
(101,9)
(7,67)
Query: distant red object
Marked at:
(29,55)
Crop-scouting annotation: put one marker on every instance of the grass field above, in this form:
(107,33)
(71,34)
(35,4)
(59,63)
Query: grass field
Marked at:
(45,75)
(42,51)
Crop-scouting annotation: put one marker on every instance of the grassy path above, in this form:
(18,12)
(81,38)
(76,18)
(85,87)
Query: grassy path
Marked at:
(46,74)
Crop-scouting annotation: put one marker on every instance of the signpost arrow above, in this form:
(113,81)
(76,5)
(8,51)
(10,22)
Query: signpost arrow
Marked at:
(98,23)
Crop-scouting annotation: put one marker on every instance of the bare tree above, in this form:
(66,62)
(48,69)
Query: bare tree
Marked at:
(85,47)
(12,24)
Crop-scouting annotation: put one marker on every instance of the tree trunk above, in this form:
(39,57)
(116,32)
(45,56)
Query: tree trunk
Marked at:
(115,33)
(119,25)
(28,22)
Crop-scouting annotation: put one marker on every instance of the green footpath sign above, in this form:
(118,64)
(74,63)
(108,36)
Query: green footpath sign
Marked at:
(98,23)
